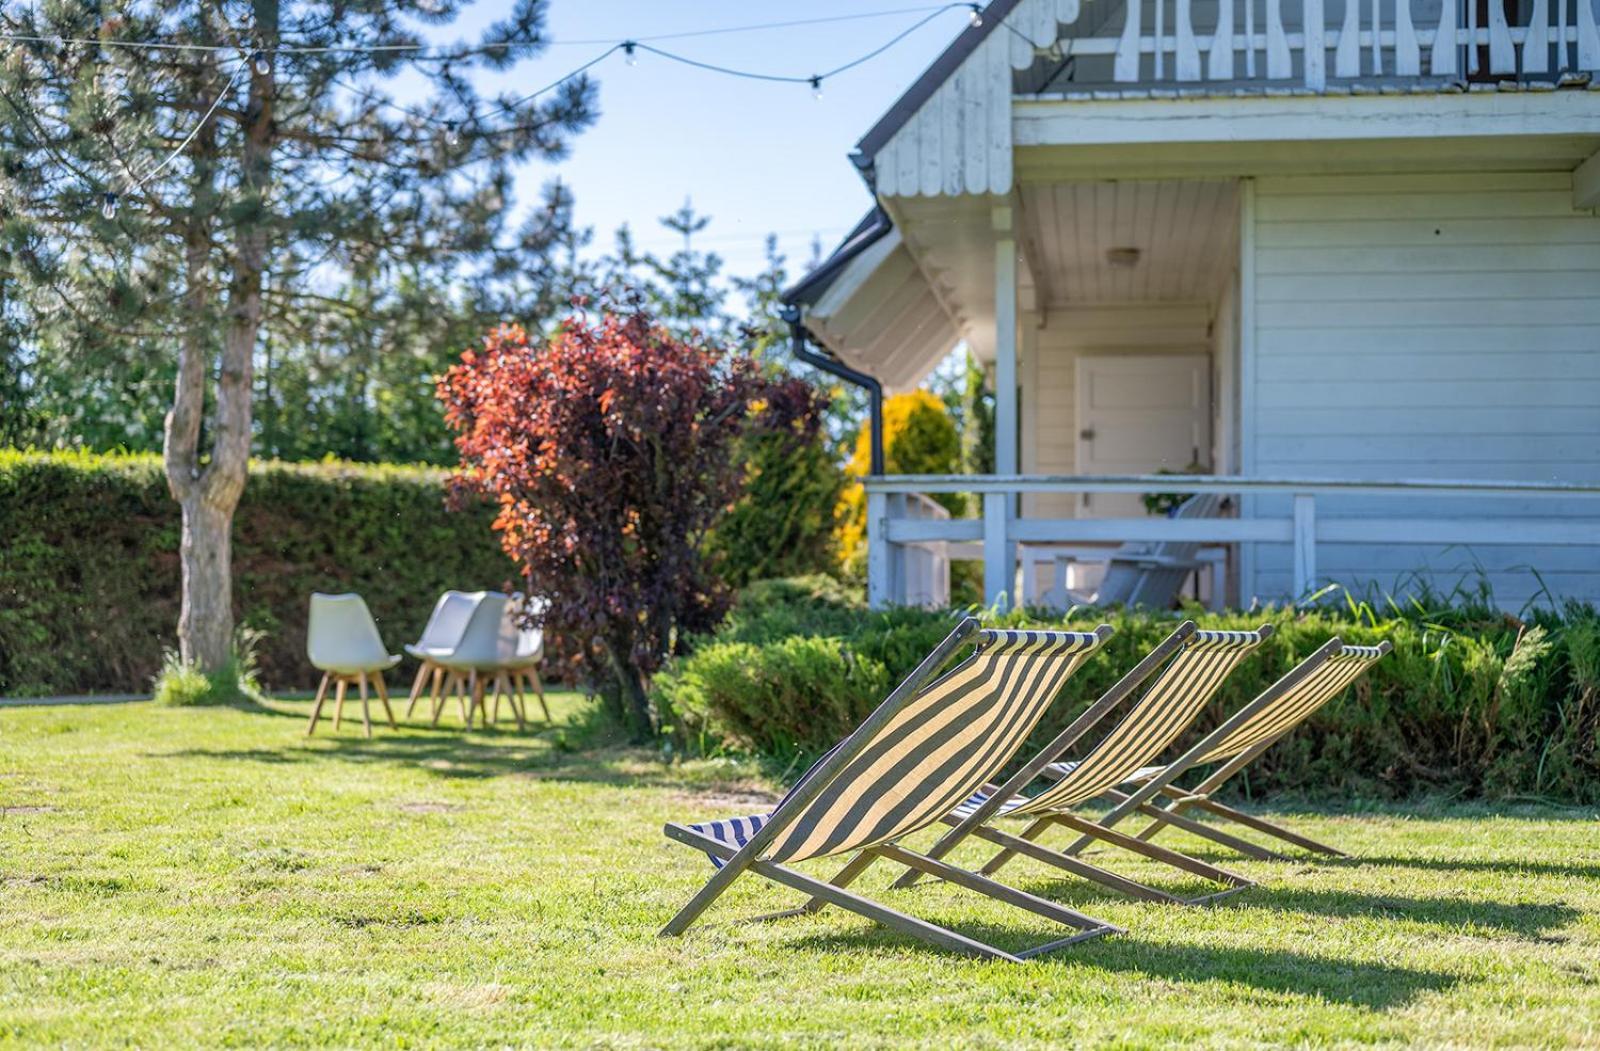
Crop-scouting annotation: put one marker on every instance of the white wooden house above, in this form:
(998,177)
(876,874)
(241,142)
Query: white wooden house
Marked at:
(1342,257)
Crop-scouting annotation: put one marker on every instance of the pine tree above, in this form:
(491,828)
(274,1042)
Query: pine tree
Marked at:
(292,163)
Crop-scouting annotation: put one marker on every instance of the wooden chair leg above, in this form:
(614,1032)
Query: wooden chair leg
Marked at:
(366,714)
(439,693)
(338,702)
(519,700)
(316,708)
(479,703)
(416,687)
(511,699)
(496,691)
(538,685)
(467,685)
(383,695)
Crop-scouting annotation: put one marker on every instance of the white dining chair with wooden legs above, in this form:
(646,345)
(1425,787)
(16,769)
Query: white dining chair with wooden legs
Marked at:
(343,643)
(440,636)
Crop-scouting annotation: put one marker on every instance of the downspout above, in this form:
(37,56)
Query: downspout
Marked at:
(799,337)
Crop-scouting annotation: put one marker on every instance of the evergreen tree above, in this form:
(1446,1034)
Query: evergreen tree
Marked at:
(292,156)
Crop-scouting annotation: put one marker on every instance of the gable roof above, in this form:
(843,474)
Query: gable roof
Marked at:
(922,89)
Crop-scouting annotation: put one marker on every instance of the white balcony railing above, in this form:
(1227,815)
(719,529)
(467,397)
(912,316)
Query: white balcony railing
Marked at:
(1305,41)
(892,529)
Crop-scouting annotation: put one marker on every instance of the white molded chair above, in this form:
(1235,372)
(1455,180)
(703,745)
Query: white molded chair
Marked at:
(342,642)
(519,673)
(440,636)
(1143,573)
(487,642)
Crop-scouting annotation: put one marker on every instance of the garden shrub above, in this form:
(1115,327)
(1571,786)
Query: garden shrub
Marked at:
(1471,702)
(89,563)
(785,524)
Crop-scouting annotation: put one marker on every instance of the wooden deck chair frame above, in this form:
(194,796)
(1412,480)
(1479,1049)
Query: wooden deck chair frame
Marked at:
(978,822)
(1180,799)
(737,862)
(1139,800)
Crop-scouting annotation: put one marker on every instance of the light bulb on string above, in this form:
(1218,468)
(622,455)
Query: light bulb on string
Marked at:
(977,15)
(816,88)
(263,62)
(108,205)
(452,133)
(630,52)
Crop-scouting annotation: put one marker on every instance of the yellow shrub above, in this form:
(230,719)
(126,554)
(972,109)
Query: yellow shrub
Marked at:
(918,438)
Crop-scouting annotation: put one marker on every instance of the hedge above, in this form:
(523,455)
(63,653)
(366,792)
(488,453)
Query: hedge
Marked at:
(1471,702)
(89,562)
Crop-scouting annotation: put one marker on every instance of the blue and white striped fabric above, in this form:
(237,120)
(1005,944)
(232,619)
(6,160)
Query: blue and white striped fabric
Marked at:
(734,831)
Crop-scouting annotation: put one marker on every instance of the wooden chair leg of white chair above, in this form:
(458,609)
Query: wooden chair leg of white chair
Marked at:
(416,688)
(438,693)
(495,689)
(511,699)
(519,696)
(479,703)
(338,702)
(383,695)
(316,707)
(538,684)
(366,714)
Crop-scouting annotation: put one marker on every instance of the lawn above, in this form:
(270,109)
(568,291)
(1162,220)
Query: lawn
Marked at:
(206,877)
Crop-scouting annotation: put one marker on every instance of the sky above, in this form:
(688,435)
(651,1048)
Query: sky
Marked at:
(757,157)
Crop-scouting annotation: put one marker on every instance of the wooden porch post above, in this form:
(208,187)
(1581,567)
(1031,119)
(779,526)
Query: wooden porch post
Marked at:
(999,559)
(878,564)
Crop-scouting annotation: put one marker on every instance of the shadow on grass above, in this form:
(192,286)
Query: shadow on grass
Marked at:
(1528,919)
(1565,870)
(1376,986)
(543,753)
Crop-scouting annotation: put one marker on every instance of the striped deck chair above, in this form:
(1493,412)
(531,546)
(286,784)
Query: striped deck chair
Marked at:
(1193,664)
(930,744)
(1237,742)
(1244,745)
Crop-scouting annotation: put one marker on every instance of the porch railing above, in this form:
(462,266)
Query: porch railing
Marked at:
(999,530)
(1258,39)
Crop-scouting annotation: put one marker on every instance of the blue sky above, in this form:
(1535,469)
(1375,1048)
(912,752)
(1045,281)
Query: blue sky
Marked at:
(757,157)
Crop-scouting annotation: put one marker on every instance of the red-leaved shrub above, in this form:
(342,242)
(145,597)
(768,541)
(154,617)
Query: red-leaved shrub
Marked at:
(608,449)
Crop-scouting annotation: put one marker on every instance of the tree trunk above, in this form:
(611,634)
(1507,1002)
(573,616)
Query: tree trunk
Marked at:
(210,494)
(205,620)
(630,701)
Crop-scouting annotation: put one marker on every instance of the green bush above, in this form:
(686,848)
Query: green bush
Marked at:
(89,563)
(1471,702)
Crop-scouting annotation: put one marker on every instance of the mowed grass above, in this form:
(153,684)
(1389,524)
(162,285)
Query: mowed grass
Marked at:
(211,877)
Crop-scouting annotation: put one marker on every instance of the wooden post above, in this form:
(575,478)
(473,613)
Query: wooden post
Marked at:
(998,565)
(878,583)
(1305,544)
(1005,343)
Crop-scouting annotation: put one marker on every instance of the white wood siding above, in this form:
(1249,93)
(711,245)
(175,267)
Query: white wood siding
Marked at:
(1428,326)
(959,141)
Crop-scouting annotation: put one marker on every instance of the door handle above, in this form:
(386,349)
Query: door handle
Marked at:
(1087,434)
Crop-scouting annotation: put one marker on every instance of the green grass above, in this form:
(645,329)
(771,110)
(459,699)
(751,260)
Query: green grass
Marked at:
(176,877)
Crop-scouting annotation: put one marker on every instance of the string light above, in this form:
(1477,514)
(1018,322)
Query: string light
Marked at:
(261,61)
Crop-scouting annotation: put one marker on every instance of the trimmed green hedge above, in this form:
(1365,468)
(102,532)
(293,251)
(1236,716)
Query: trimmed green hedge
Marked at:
(1471,701)
(89,562)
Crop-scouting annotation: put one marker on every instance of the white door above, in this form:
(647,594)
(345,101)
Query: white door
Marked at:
(1139,414)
